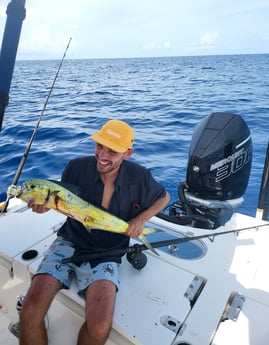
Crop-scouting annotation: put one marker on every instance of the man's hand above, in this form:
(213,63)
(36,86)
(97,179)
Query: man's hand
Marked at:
(136,225)
(135,228)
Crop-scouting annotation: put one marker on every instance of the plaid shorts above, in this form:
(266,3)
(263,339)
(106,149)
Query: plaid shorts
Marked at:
(85,274)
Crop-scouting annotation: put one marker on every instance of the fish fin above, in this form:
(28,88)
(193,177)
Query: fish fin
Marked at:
(88,228)
(148,231)
(143,238)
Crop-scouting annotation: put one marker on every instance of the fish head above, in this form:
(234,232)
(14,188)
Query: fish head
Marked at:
(34,189)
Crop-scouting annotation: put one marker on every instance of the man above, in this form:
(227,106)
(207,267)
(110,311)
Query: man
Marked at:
(126,190)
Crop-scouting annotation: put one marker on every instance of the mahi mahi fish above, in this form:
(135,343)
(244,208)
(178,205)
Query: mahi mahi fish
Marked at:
(56,196)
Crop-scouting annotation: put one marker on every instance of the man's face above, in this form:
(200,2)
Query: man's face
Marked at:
(109,160)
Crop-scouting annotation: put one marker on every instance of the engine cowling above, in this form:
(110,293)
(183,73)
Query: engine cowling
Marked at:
(220,157)
(218,171)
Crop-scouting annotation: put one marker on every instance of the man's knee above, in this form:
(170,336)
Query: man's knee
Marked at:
(94,332)
(38,298)
(30,310)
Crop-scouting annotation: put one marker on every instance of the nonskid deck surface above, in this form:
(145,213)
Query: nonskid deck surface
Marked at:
(171,300)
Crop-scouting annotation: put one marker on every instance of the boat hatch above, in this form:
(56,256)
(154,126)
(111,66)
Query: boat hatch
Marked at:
(191,250)
(157,301)
(244,321)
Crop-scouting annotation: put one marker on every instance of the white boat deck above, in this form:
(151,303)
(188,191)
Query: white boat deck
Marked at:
(154,305)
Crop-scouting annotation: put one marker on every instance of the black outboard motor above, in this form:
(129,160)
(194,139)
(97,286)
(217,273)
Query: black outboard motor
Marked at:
(218,171)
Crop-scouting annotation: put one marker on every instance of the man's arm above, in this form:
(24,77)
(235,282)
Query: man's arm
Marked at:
(136,225)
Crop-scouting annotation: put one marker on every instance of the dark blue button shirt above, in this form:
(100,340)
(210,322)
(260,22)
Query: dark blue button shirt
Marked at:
(135,191)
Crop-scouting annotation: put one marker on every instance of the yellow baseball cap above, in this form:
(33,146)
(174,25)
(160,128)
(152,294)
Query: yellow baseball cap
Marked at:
(115,134)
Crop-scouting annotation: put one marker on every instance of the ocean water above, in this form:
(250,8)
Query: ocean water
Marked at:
(162,98)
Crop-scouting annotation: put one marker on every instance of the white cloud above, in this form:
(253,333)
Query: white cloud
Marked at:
(2,11)
(167,44)
(157,46)
(209,38)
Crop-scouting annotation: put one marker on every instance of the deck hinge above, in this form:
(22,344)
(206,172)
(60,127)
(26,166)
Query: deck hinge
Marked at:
(194,289)
(234,307)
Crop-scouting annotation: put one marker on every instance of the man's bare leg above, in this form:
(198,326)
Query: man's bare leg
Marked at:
(34,308)
(100,302)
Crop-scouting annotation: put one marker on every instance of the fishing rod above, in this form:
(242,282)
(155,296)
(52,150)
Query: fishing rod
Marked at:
(133,252)
(263,200)
(27,150)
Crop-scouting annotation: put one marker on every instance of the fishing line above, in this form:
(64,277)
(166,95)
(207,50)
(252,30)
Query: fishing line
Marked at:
(27,150)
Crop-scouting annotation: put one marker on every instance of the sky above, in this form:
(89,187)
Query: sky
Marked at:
(141,28)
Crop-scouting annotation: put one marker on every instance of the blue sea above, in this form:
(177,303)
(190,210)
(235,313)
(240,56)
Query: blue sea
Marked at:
(162,98)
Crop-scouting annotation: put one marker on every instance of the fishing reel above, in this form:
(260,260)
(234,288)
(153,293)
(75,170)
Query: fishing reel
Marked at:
(137,259)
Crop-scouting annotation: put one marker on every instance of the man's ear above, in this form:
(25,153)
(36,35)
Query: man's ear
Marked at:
(128,153)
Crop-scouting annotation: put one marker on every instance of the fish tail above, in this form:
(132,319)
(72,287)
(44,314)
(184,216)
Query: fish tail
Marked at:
(143,238)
